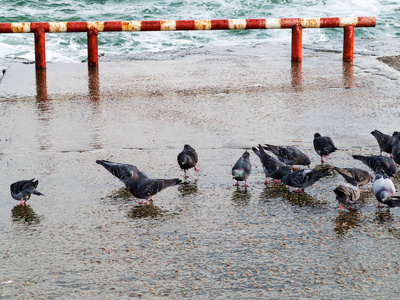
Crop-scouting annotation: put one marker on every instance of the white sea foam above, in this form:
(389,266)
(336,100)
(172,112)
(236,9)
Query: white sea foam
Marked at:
(71,47)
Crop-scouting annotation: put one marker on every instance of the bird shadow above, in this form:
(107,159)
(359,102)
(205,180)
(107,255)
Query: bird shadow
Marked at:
(346,220)
(324,166)
(146,211)
(187,188)
(24,214)
(281,191)
(241,197)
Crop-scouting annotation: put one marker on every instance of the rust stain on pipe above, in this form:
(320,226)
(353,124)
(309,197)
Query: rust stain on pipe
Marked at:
(202,24)
(237,24)
(168,25)
(311,23)
(131,26)
(58,27)
(99,26)
(20,27)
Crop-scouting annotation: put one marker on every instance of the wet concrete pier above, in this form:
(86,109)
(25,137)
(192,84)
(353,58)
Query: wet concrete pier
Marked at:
(87,237)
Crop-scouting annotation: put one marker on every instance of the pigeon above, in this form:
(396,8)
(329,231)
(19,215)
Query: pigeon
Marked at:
(396,147)
(242,169)
(273,167)
(124,172)
(304,178)
(386,163)
(347,194)
(384,141)
(289,155)
(384,190)
(355,176)
(22,190)
(323,145)
(187,159)
(145,188)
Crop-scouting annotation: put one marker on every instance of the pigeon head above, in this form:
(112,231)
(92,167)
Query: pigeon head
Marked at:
(307,160)
(340,195)
(396,135)
(384,196)
(286,170)
(187,147)
(317,135)
(285,179)
(246,154)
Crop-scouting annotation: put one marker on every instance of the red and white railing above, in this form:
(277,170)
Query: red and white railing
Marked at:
(93,28)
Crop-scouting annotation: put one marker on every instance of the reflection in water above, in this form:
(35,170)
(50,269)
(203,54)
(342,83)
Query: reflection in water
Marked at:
(297,76)
(41,85)
(24,214)
(43,106)
(188,188)
(94,95)
(348,78)
(93,77)
(346,220)
(241,197)
(45,109)
(144,211)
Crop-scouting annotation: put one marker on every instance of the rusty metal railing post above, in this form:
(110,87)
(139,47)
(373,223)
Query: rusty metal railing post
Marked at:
(40,49)
(348,42)
(93,53)
(297,34)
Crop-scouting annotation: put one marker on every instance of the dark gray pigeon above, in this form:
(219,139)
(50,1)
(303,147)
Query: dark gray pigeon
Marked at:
(145,188)
(242,169)
(22,190)
(384,141)
(385,163)
(273,167)
(396,147)
(304,178)
(384,190)
(323,145)
(347,194)
(355,176)
(124,172)
(289,155)
(187,159)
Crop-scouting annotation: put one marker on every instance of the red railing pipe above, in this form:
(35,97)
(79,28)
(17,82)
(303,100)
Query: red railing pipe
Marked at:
(297,35)
(296,24)
(348,43)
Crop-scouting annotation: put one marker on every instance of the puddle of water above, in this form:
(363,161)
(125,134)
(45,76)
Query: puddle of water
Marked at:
(204,238)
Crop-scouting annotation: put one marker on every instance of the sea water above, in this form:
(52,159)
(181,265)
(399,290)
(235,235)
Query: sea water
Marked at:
(71,47)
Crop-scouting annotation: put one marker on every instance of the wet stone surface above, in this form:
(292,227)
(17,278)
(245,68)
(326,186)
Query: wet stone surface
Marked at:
(88,238)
